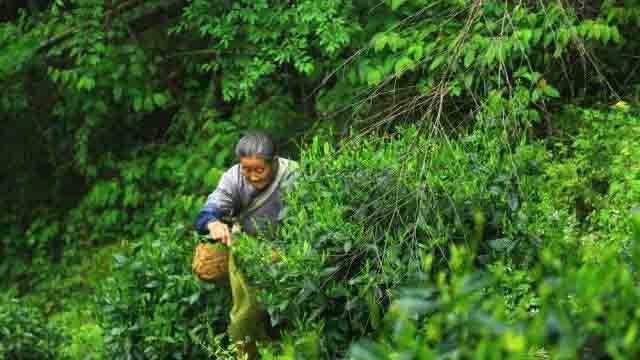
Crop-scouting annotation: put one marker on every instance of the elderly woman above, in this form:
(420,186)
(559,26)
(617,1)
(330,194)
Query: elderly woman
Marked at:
(249,196)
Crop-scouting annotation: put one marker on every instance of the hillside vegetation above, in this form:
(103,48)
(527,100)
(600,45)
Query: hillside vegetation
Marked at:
(470,176)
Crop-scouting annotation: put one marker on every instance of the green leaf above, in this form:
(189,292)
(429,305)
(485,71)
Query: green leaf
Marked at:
(501,244)
(366,349)
(374,76)
(437,62)
(352,75)
(364,69)
(534,116)
(537,35)
(403,64)
(454,88)
(326,148)
(606,35)
(91,83)
(469,57)
(533,77)
(490,55)
(526,36)
(468,80)
(86,83)
(550,91)
(535,95)
(582,30)
(137,104)
(395,41)
(148,104)
(596,31)
(417,51)
(501,52)
(193,298)
(160,99)
(615,35)
(387,67)
(379,41)
(548,39)
(395,4)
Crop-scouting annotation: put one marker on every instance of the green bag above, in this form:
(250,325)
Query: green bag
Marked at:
(248,318)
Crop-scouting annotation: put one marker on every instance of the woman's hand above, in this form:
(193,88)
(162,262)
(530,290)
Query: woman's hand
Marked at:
(220,231)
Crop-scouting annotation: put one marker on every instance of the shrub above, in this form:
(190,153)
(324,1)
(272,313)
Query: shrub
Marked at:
(153,305)
(594,180)
(25,333)
(383,213)
(585,311)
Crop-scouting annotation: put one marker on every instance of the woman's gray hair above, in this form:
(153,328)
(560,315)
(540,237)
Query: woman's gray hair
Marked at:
(256,144)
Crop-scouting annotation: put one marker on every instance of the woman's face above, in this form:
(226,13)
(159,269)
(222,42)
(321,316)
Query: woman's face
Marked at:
(257,171)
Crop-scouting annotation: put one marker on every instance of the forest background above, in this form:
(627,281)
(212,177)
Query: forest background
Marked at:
(470,187)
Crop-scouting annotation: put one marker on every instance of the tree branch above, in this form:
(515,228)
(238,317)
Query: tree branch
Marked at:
(139,23)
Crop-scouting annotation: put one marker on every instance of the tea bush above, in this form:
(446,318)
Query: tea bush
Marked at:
(25,333)
(153,305)
(595,180)
(407,210)
(585,311)
(379,214)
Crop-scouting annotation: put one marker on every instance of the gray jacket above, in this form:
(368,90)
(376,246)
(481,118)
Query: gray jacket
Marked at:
(234,195)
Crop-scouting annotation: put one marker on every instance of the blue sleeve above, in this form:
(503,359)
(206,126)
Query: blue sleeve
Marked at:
(221,202)
(208,213)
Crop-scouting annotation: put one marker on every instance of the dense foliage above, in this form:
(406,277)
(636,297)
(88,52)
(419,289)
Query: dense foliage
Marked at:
(470,181)
(25,333)
(499,230)
(155,308)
